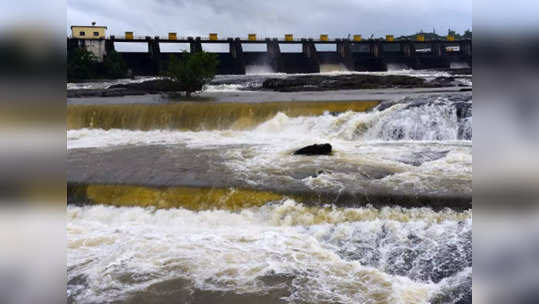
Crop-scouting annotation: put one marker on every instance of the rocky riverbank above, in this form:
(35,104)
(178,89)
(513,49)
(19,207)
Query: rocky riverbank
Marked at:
(354,82)
(156,86)
(292,83)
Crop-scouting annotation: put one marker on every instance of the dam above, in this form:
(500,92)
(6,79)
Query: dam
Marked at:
(350,54)
(203,199)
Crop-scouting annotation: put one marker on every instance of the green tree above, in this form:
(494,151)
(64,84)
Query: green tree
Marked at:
(114,65)
(193,71)
(81,64)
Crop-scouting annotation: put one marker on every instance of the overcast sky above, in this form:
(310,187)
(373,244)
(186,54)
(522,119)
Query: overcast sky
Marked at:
(272,18)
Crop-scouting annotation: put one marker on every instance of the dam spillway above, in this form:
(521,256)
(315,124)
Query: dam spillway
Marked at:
(364,55)
(207,146)
(197,116)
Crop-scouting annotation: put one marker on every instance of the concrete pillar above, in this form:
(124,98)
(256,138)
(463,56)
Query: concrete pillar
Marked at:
(236,51)
(407,48)
(195,44)
(466,48)
(109,45)
(344,50)
(376,49)
(274,55)
(155,53)
(437,48)
(72,43)
(309,50)
(95,46)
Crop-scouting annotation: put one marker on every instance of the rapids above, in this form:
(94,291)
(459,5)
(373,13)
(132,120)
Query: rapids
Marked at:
(204,202)
(304,255)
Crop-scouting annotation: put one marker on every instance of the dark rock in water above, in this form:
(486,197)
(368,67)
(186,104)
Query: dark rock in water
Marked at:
(386,104)
(443,81)
(462,71)
(464,109)
(140,88)
(158,85)
(343,82)
(322,149)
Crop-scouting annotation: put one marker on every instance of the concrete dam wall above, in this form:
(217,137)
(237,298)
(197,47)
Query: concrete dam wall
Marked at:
(367,55)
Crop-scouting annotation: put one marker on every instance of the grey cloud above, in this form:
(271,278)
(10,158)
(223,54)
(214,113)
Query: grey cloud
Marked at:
(231,18)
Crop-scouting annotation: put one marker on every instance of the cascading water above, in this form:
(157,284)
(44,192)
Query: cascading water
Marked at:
(258,69)
(210,205)
(440,119)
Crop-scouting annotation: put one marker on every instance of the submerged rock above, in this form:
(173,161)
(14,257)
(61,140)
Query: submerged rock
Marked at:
(316,149)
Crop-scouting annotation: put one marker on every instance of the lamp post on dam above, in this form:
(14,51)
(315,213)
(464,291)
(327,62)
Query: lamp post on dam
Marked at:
(354,54)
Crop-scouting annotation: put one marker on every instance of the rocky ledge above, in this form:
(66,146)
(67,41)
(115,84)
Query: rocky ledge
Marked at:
(147,87)
(353,82)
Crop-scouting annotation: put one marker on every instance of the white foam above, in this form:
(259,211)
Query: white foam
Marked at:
(221,250)
(224,88)
(259,70)
(359,140)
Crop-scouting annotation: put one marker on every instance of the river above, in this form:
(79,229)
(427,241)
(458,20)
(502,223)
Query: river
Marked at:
(202,201)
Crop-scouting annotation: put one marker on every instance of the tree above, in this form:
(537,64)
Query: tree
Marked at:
(193,71)
(114,65)
(81,64)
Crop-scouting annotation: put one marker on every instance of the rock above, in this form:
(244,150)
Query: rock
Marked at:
(322,149)
(137,88)
(443,81)
(343,82)
(462,71)
(464,109)
(158,85)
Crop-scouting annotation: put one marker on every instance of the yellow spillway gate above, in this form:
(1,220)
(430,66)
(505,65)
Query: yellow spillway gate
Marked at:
(252,37)
(288,37)
(172,36)
(357,37)
(213,36)
(129,35)
(324,37)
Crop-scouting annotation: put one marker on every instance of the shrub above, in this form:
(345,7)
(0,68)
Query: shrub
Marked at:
(114,65)
(192,71)
(81,64)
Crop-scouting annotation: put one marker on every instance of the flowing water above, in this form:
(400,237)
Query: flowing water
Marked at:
(204,203)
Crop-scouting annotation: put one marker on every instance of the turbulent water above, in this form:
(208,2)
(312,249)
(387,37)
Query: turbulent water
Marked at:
(256,74)
(305,255)
(284,251)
